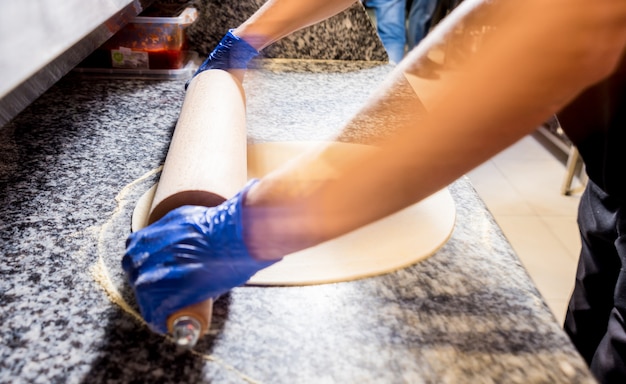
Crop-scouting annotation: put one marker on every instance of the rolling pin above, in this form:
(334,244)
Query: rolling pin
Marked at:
(205,165)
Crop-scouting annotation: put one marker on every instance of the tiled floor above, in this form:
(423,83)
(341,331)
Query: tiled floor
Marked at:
(521,187)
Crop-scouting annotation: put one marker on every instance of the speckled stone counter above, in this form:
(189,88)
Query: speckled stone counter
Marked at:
(74,163)
(348,35)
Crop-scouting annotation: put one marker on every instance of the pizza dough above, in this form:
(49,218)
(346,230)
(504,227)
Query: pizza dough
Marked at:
(394,242)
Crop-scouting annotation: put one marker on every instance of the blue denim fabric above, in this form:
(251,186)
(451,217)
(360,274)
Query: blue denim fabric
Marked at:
(390,25)
(420,15)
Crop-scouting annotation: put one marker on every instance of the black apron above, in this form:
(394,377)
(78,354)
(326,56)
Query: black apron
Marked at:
(596,318)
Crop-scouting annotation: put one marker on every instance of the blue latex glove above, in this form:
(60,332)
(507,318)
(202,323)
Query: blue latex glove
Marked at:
(232,52)
(192,254)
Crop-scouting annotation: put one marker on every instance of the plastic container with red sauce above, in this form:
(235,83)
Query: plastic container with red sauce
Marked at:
(152,40)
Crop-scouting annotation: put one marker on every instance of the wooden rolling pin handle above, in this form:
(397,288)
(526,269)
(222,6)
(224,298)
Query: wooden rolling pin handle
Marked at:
(189,324)
(205,165)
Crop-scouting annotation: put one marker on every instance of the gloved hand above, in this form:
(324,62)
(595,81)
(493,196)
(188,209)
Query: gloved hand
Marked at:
(192,254)
(232,52)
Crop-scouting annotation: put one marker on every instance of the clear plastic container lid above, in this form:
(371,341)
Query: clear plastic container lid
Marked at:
(188,69)
(184,16)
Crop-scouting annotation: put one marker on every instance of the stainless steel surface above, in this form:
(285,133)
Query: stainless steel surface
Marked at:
(42,40)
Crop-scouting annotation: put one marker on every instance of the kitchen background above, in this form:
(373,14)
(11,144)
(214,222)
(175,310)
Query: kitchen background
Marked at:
(468,312)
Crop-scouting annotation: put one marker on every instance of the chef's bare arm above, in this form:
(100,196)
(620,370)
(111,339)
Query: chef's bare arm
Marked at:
(539,55)
(279,18)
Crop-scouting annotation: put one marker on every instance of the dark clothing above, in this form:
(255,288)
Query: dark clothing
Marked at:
(597,309)
(596,122)
(596,317)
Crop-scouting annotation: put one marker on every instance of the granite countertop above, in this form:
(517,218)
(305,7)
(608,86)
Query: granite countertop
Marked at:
(73,164)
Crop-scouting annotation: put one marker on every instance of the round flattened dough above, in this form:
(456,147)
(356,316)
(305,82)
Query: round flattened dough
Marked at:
(394,242)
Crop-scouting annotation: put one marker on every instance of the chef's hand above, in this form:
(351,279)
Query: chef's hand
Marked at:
(232,52)
(192,254)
